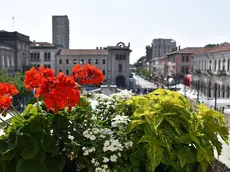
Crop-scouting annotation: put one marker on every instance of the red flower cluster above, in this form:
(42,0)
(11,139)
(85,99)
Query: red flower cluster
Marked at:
(87,74)
(57,92)
(35,78)
(6,93)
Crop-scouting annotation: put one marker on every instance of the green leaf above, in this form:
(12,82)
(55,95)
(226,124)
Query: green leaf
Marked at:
(8,155)
(28,166)
(49,145)
(30,151)
(22,139)
(40,156)
(3,146)
(56,164)
(60,123)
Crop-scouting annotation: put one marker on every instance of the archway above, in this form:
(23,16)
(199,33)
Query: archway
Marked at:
(120,81)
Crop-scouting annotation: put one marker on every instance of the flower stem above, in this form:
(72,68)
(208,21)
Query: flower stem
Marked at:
(37,105)
(15,110)
(4,121)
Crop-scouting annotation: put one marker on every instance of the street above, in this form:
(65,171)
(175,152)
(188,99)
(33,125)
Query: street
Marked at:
(140,82)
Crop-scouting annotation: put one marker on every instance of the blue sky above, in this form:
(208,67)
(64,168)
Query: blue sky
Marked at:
(105,22)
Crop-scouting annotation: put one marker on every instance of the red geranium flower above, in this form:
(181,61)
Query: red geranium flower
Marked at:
(59,92)
(87,74)
(34,78)
(6,93)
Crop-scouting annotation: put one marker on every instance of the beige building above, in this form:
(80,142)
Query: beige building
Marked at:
(112,60)
(43,54)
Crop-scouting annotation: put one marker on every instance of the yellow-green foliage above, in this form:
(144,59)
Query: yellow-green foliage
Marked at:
(168,132)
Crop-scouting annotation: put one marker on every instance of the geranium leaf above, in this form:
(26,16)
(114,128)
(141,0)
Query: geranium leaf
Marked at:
(30,151)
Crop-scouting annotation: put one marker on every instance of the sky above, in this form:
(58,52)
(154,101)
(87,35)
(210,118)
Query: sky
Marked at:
(99,23)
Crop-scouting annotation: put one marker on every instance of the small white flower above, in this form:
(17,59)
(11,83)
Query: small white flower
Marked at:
(70,137)
(93,161)
(96,164)
(83,148)
(119,154)
(105,159)
(113,158)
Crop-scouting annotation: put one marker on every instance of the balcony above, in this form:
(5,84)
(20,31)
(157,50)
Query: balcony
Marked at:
(209,71)
(198,71)
(221,73)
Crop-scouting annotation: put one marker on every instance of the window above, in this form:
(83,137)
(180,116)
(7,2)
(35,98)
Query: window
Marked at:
(96,61)
(120,68)
(60,70)
(49,55)
(67,61)
(103,72)
(187,58)
(210,65)
(183,58)
(124,56)
(228,64)
(210,89)
(117,57)
(223,68)
(205,65)
(228,92)
(67,71)
(120,57)
(182,69)
(3,61)
(19,46)
(45,55)
(82,61)
(75,61)
(103,61)
(223,91)
(215,65)
(219,65)
(218,89)
(60,61)
(89,61)
(186,69)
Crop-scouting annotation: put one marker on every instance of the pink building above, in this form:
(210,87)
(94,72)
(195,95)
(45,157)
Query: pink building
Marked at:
(180,61)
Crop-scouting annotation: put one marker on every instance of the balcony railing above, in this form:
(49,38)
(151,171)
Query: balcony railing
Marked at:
(198,71)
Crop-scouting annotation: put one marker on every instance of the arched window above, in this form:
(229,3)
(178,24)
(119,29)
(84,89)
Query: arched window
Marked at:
(224,65)
(210,65)
(223,91)
(219,65)
(215,65)
(218,90)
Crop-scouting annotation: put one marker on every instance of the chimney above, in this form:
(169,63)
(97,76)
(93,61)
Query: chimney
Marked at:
(178,47)
(96,48)
(100,48)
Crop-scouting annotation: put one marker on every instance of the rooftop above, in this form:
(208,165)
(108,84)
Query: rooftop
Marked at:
(216,49)
(187,50)
(83,52)
(41,44)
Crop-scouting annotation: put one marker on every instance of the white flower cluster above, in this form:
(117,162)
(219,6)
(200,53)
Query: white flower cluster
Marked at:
(112,145)
(93,133)
(123,95)
(120,121)
(103,168)
(87,151)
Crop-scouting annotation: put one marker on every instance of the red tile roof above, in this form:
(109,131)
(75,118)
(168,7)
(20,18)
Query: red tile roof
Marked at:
(188,50)
(83,52)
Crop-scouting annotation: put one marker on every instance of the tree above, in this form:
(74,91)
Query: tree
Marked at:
(17,80)
(214,45)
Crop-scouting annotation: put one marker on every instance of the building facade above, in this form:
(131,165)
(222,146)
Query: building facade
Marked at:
(20,43)
(43,54)
(160,47)
(112,60)
(7,59)
(60,31)
(212,67)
